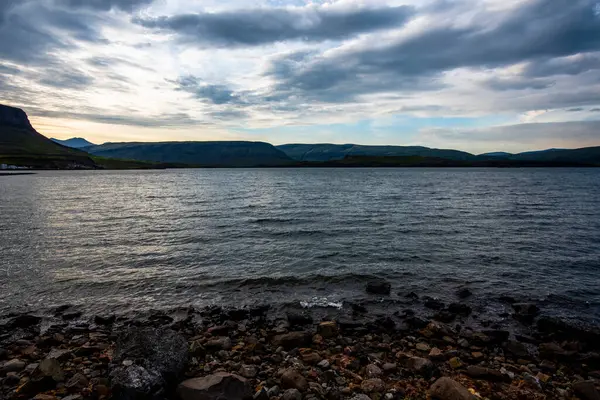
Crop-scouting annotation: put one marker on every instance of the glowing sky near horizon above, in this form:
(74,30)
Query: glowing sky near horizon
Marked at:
(476,75)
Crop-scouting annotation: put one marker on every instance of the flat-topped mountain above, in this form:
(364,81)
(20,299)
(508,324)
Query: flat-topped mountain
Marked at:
(22,145)
(207,154)
(332,152)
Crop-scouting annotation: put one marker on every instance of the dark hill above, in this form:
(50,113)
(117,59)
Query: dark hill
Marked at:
(331,152)
(76,143)
(208,154)
(22,145)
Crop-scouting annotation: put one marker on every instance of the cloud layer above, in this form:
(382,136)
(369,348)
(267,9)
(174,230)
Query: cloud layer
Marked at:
(401,72)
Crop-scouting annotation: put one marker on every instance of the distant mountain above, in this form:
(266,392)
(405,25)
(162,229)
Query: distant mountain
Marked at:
(208,154)
(76,142)
(496,154)
(586,155)
(331,152)
(22,145)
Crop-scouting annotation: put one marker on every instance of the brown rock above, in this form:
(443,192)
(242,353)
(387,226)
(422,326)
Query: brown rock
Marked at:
(586,390)
(77,383)
(488,374)
(50,367)
(328,329)
(448,389)
(292,379)
(42,396)
(220,385)
(374,385)
(292,340)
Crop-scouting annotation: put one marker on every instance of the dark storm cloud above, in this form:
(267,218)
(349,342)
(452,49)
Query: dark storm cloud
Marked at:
(263,26)
(544,29)
(563,66)
(216,94)
(105,5)
(502,84)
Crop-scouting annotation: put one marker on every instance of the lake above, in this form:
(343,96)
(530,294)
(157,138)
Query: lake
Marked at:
(124,241)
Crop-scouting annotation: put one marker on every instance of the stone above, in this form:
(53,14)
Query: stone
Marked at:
(463,293)
(311,358)
(423,346)
(477,355)
(297,319)
(292,340)
(261,394)
(77,382)
(586,390)
(292,394)
(248,371)
(477,372)
(379,286)
(436,354)
(448,389)
(59,354)
(517,349)
(42,396)
(221,343)
(525,312)
(360,396)
(218,386)
(418,364)
(328,329)
(373,371)
(50,367)
(373,385)
(323,364)
(434,304)
(14,365)
(160,357)
(460,309)
(274,391)
(455,363)
(543,377)
(389,367)
(292,379)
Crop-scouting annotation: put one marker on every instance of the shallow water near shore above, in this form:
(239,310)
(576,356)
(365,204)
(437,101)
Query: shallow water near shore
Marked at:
(125,241)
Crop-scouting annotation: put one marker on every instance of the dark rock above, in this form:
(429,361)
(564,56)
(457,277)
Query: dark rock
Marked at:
(460,309)
(586,390)
(77,383)
(50,367)
(221,343)
(434,304)
(292,394)
(292,340)
(507,299)
(328,329)
(160,356)
(412,296)
(292,379)
(488,374)
(517,349)
(373,385)
(261,394)
(12,366)
(448,389)
(553,351)
(218,386)
(558,329)
(71,315)
(463,293)
(25,321)
(525,312)
(239,314)
(445,316)
(496,335)
(297,319)
(104,320)
(3,354)
(379,286)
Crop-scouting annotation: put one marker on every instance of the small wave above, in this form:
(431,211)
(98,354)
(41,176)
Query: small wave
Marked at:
(321,302)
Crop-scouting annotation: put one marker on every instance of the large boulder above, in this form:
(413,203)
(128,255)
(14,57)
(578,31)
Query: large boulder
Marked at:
(448,389)
(156,357)
(292,340)
(218,386)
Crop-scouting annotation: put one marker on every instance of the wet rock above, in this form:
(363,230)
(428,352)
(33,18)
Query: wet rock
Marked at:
(77,383)
(418,364)
(432,303)
(373,371)
(218,386)
(448,389)
(517,349)
(25,321)
(379,286)
(297,319)
(496,335)
(221,343)
(360,396)
(525,312)
(311,358)
(412,296)
(274,391)
(50,367)
(15,365)
(488,374)
(460,309)
(328,329)
(389,367)
(553,351)
(42,396)
(160,356)
(292,340)
(586,390)
(423,346)
(292,394)
(104,320)
(248,371)
(59,354)
(323,364)
(292,379)
(373,385)
(463,293)
(3,354)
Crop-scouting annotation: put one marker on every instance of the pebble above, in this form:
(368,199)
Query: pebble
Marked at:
(292,394)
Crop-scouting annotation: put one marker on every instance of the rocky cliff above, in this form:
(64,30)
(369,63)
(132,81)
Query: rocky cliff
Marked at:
(14,117)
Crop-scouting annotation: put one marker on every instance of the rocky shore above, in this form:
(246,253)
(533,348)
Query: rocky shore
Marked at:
(255,353)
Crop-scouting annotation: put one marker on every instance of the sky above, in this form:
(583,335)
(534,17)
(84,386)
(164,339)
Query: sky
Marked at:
(474,75)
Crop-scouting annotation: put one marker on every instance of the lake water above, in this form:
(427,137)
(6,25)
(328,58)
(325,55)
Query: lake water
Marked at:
(122,241)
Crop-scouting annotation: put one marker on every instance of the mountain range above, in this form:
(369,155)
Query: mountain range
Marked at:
(22,145)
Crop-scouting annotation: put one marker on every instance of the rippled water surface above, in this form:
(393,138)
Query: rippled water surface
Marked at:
(121,241)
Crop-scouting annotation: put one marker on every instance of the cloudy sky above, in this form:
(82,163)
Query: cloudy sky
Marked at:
(477,75)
